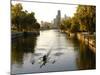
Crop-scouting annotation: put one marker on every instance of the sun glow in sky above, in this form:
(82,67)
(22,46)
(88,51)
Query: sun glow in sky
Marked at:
(47,12)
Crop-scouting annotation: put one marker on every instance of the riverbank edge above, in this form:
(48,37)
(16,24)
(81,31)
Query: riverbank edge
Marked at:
(15,35)
(82,38)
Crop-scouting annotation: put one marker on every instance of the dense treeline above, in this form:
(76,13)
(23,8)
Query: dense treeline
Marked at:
(23,20)
(83,20)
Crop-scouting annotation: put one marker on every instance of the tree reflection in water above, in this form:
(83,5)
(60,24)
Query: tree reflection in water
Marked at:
(85,57)
(22,45)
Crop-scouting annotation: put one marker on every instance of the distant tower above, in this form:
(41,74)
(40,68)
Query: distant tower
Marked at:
(59,18)
(41,23)
(65,16)
(55,23)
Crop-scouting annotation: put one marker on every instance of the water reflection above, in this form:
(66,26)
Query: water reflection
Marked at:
(22,45)
(54,52)
(58,54)
(85,57)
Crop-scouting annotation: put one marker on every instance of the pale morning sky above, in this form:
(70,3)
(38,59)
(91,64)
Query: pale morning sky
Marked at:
(47,12)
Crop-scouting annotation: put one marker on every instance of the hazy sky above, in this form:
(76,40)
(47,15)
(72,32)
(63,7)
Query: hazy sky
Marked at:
(47,12)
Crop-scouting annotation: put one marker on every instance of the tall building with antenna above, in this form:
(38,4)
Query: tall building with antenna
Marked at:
(57,20)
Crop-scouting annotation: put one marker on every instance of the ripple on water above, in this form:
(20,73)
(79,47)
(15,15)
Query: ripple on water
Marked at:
(58,54)
(37,54)
(41,49)
(59,48)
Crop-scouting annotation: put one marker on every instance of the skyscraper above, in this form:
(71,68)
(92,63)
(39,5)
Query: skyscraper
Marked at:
(57,20)
(59,16)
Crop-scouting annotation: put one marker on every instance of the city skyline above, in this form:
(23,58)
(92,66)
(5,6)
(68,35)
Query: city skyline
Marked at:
(46,12)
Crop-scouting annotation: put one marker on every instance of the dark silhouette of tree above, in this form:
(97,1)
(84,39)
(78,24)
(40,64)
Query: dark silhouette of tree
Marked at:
(23,20)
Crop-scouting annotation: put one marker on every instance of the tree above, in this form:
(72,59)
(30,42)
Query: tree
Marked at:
(23,20)
(36,26)
(87,17)
(15,13)
(75,27)
(66,24)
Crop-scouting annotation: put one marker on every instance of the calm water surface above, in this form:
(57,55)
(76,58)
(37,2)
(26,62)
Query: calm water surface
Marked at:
(63,53)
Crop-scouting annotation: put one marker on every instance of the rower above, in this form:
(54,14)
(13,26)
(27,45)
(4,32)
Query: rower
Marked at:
(44,58)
